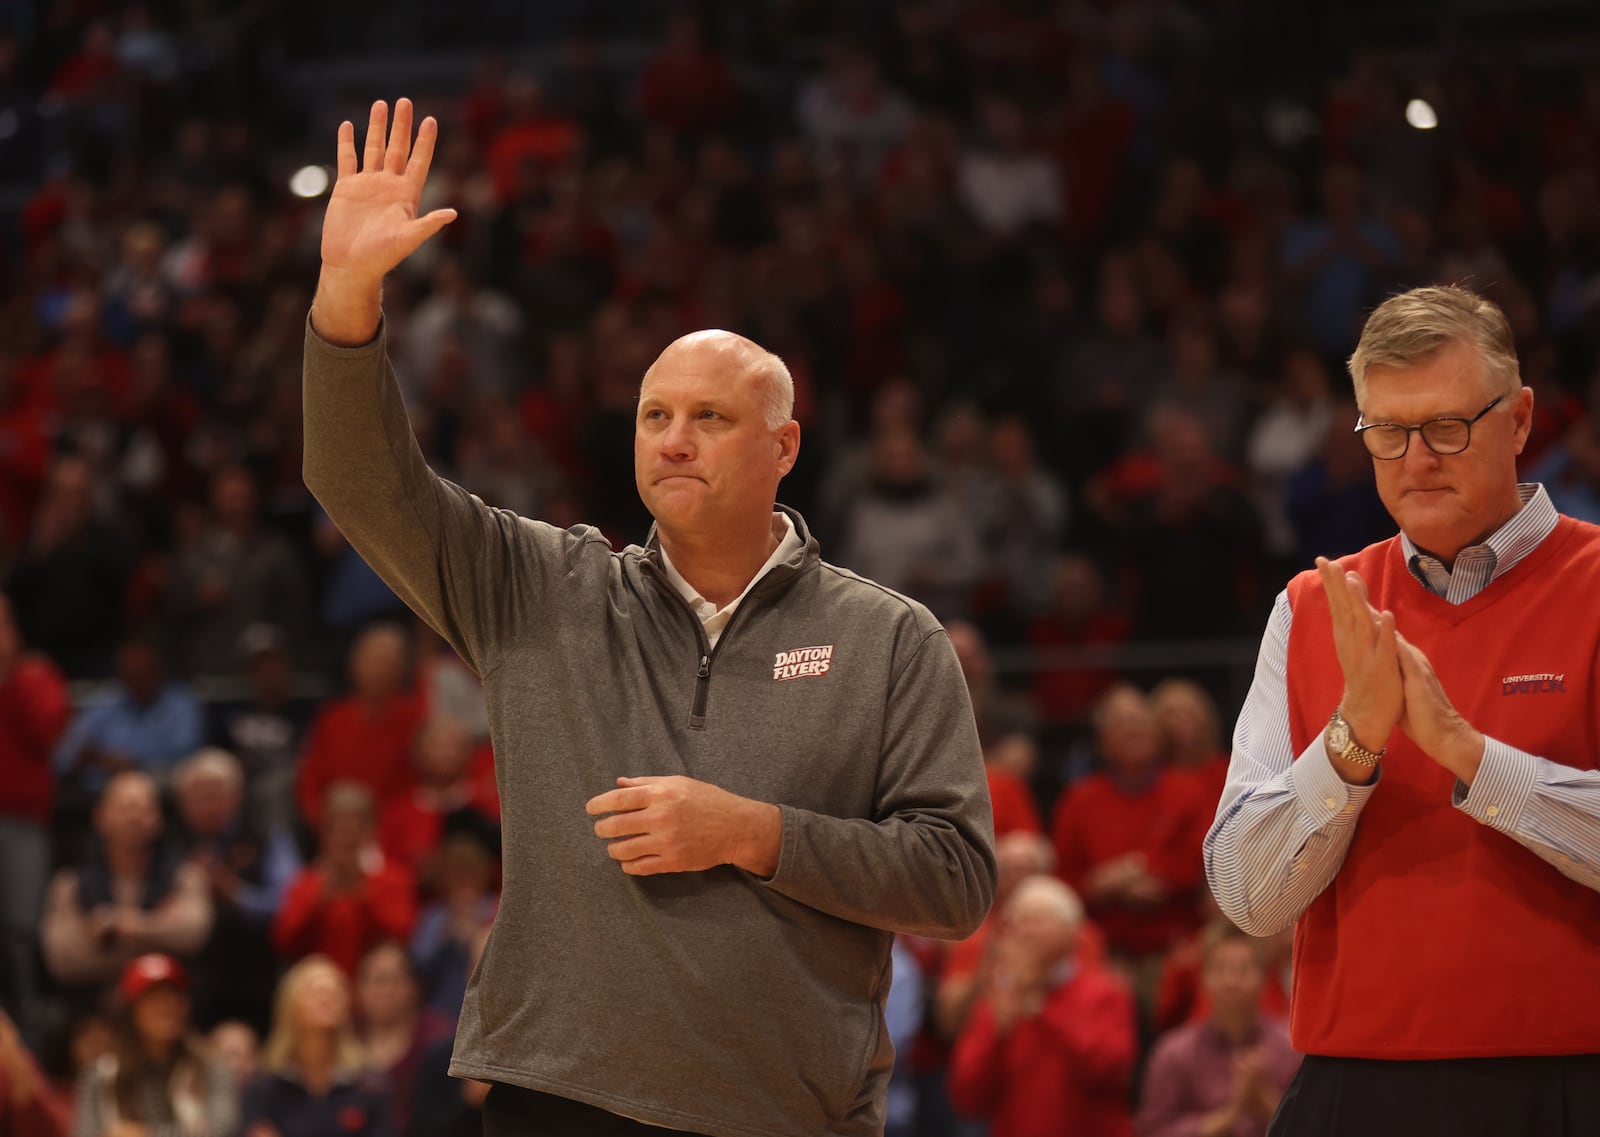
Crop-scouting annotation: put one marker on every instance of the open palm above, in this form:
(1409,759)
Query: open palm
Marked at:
(372,223)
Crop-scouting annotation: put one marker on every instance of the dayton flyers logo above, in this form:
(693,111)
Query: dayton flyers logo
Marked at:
(802,661)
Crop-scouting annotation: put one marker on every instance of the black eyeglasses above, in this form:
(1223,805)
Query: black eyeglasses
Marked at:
(1389,441)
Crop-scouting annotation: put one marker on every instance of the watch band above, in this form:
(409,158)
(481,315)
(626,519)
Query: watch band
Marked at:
(1349,749)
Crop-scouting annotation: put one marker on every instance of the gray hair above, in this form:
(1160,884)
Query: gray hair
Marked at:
(1412,327)
(777,399)
(213,762)
(1053,894)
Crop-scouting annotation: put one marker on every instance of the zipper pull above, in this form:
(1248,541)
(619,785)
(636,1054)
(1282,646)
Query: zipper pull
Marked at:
(705,667)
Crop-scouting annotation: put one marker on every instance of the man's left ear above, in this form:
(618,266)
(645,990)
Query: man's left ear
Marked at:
(788,447)
(1523,410)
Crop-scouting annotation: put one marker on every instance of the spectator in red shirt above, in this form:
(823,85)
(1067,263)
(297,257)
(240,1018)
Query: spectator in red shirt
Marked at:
(366,736)
(686,87)
(1128,838)
(1181,996)
(1079,618)
(350,897)
(1050,1047)
(1004,730)
(1192,732)
(1223,1076)
(29,1106)
(33,714)
(451,775)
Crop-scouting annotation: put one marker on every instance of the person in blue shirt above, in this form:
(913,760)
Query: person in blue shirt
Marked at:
(148,723)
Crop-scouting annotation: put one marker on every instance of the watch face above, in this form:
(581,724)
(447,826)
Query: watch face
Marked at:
(1338,735)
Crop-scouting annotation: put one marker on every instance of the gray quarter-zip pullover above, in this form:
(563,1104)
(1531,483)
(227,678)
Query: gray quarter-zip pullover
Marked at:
(713,1001)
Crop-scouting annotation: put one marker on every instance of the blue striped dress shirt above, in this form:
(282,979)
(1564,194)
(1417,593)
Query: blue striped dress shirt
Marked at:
(1283,826)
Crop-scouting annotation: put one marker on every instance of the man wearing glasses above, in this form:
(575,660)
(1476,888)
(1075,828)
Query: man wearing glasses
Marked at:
(1414,779)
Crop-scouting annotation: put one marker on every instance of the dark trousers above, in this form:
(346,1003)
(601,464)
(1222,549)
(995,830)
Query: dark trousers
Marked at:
(1461,1097)
(511,1111)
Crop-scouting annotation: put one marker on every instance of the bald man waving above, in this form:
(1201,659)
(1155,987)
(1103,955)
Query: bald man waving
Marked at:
(729,771)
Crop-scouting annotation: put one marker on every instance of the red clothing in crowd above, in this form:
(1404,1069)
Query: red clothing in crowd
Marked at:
(1208,779)
(45,1113)
(1098,820)
(33,713)
(1064,1070)
(344,926)
(687,91)
(411,826)
(352,741)
(1181,998)
(1014,808)
(1068,694)
(965,957)
(1511,965)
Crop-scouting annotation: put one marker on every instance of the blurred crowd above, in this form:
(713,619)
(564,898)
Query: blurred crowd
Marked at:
(1066,290)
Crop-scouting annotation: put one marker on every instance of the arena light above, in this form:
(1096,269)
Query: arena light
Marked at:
(309,181)
(1419,113)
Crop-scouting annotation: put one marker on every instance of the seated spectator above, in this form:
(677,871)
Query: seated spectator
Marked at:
(148,723)
(451,775)
(68,579)
(89,1039)
(1333,502)
(446,684)
(314,1080)
(905,533)
(1004,731)
(234,573)
(1288,433)
(158,1077)
(902,1015)
(1191,730)
(1080,618)
(1224,1076)
(249,870)
(131,896)
(364,737)
(468,897)
(442,1106)
(29,1105)
(1050,1046)
(266,729)
(967,964)
(394,1027)
(350,897)
(1181,996)
(33,713)
(238,1047)
(1024,519)
(1128,839)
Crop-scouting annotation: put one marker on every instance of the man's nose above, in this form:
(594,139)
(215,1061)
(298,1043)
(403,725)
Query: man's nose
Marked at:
(1419,457)
(677,441)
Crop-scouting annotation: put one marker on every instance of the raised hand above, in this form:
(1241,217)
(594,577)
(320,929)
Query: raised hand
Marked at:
(1431,719)
(1369,656)
(371,224)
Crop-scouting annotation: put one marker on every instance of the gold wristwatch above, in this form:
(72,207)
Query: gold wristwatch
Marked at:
(1342,744)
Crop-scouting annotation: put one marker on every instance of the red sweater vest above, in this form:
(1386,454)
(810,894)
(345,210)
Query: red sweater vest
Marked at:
(1440,938)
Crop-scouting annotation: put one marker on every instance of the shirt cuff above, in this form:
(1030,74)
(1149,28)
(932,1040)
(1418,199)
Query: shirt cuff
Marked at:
(1500,792)
(358,349)
(1326,798)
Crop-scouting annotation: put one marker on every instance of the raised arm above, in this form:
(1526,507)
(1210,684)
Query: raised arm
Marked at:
(467,569)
